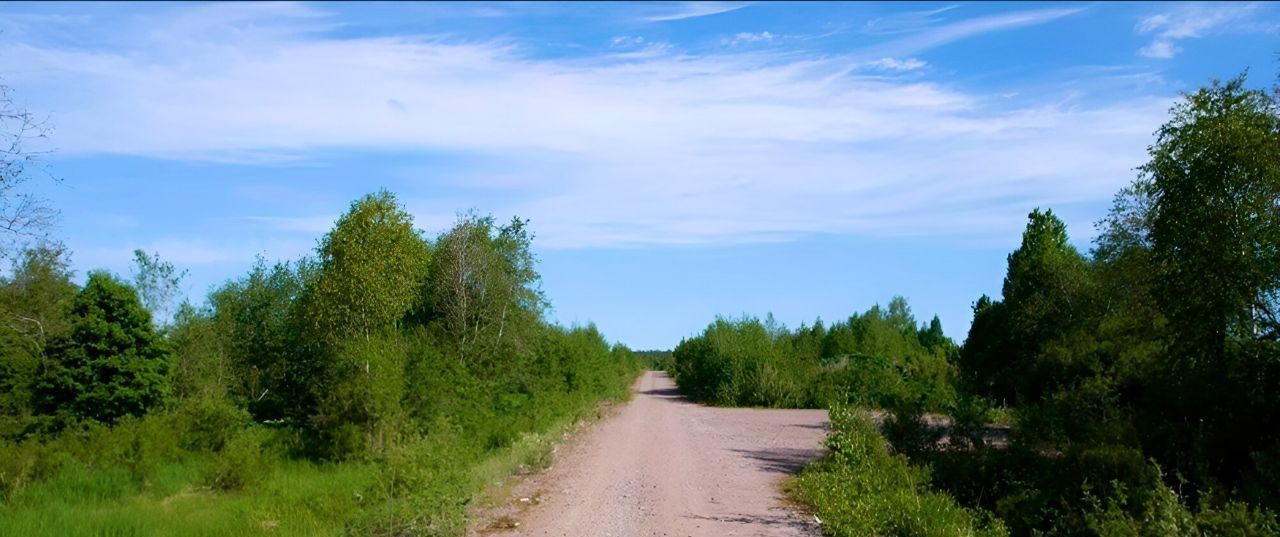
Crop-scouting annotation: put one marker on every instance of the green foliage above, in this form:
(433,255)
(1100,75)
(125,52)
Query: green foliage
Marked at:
(658,360)
(360,409)
(208,423)
(1215,177)
(1009,353)
(743,362)
(201,369)
(257,338)
(1214,184)
(1150,365)
(242,461)
(349,358)
(299,498)
(863,489)
(371,270)
(877,358)
(34,301)
(111,364)
(483,288)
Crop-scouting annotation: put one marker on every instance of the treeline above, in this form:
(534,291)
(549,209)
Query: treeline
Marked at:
(1139,381)
(658,360)
(879,358)
(372,388)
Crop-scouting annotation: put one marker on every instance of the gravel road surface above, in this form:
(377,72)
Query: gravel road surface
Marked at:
(663,466)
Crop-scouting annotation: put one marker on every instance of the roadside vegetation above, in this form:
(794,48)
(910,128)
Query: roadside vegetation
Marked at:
(372,388)
(1140,380)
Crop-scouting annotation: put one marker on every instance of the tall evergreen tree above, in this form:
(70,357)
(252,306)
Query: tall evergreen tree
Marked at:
(111,364)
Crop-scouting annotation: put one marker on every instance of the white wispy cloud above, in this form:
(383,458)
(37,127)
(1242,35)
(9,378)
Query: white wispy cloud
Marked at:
(936,34)
(745,38)
(610,150)
(1190,21)
(894,64)
(626,41)
(688,10)
(906,21)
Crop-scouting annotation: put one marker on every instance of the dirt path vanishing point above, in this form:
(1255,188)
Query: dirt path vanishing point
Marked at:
(663,466)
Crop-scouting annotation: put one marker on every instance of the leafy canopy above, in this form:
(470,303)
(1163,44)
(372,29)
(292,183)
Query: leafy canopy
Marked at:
(112,364)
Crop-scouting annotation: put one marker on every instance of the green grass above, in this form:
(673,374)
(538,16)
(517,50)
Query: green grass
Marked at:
(421,487)
(298,498)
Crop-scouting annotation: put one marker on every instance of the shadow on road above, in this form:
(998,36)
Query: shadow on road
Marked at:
(781,460)
(777,521)
(670,393)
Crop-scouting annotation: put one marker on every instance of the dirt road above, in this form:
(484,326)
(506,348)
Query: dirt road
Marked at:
(666,467)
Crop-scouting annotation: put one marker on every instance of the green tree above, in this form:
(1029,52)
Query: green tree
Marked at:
(931,335)
(484,286)
(1043,298)
(261,334)
(33,311)
(371,270)
(1215,178)
(201,369)
(1214,181)
(111,364)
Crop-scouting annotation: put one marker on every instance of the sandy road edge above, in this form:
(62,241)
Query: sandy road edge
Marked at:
(500,504)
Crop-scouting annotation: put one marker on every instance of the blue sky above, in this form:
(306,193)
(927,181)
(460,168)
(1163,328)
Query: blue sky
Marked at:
(676,160)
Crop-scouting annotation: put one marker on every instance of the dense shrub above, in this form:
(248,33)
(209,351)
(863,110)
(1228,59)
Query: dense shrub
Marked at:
(743,362)
(244,460)
(863,489)
(207,423)
(877,359)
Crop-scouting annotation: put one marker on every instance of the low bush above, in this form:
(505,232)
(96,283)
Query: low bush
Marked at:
(243,461)
(207,423)
(863,489)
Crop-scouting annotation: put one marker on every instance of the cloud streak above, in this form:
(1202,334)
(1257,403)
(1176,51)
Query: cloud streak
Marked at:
(935,35)
(610,150)
(1188,21)
(747,38)
(689,10)
(894,64)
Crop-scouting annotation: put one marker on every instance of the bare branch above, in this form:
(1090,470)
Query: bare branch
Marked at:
(23,215)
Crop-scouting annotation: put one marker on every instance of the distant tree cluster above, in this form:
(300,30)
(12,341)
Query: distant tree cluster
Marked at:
(881,358)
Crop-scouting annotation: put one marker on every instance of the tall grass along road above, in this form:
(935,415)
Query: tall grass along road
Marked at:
(665,466)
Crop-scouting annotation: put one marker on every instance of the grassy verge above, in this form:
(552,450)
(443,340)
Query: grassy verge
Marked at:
(420,487)
(298,498)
